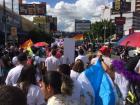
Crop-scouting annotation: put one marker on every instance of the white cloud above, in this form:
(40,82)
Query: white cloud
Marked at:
(68,12)
(8,4)
(81,9)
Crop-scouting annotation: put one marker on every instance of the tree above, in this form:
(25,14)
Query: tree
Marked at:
(104,27)
(40,36)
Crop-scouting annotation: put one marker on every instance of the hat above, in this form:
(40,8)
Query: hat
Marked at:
(22,57)
(104,49)
(15,60)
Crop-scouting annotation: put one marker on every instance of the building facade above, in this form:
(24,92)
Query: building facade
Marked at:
(12,19)
(132,15)
(51,24)
(7,21)
(46,23)
(82,25)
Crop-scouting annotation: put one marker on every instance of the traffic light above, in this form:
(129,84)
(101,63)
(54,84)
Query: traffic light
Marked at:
(117,5)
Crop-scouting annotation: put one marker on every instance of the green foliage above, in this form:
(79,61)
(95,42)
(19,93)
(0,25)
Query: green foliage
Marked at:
(106,27)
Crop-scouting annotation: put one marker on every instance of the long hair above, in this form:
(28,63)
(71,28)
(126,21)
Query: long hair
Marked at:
(60,83)
(6,61)
(27,77)
(78,66)
(10,95)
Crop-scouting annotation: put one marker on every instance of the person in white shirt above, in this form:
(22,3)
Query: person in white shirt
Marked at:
(52,62)
(62,57)
(14,73)
(104,53)
(56,88)
(119,81)
(77,68)
(76,93)
(82,57)
(27,83)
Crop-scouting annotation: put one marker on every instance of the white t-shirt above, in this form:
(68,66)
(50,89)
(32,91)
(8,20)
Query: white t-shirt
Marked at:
(35,96)
(74,74)
(60,99)
(76,94)
(122,83)
(88,95)
(13,75)
(84,58)
(52,63)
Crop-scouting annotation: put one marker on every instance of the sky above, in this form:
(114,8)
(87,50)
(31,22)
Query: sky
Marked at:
(67,11)
(52,2)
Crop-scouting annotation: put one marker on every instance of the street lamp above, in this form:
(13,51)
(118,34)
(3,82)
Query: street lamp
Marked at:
(103,18)
(104,32)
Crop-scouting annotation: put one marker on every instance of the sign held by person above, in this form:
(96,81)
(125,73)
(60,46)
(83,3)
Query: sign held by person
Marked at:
(69,50)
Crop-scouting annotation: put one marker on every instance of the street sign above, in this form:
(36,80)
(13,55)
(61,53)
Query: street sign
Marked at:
(120,20)
(82,25)
(32,9)
(13,31)
(126,7)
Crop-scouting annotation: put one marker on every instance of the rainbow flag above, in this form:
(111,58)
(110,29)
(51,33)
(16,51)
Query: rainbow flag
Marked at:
(27,44)
(78,37)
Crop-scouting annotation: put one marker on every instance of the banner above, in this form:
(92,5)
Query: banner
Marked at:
(27,44)
(32,9)
(78,37)
(69,50)
(120,20)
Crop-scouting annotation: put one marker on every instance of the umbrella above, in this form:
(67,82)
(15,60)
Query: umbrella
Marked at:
(41,44)
(132,40)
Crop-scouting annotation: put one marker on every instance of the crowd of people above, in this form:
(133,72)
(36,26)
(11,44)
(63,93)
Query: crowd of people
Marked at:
(41,77)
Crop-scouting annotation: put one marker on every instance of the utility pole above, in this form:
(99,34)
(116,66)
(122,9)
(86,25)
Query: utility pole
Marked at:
(104,27)
(121,8)
(12,6)
(120,21)
(13,12)
(4,19)
(122,5)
